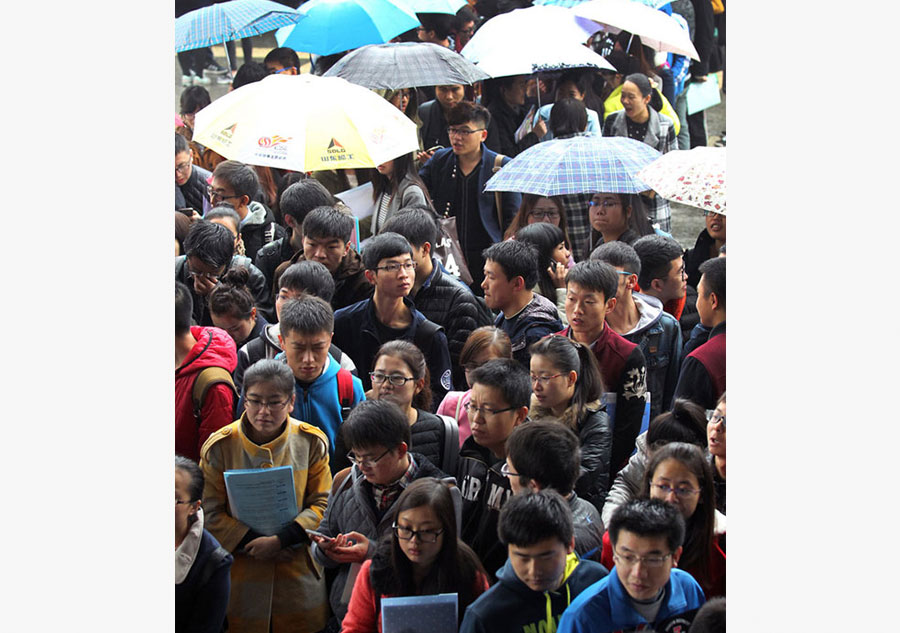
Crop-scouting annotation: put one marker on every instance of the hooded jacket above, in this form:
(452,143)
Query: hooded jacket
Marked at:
(658,335)
(259,228)
(214,348)
(510,606)
(536,320)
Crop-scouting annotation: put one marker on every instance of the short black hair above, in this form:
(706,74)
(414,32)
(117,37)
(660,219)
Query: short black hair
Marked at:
(211,243)
(656,253)
(469,112)
(710,617)
(241,177)
(546,451)
(533,517)
(327,223)
(441,23)
(509,377)
(307,315)
(712,271)
(648,517)
(596,276)
(272,371)
(568,116)
(248,73)
(517,259)
(184,308)
(382,246)
(618,254)
(310,277)
(193,99)
(375,423)
(415,224)
(224,210)
(302,197)
(285,56)
(181,144)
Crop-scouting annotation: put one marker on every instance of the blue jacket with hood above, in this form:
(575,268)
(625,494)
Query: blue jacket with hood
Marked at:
(511,606)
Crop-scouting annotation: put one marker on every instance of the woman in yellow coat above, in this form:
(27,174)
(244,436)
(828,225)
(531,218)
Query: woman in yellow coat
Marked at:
(275,585)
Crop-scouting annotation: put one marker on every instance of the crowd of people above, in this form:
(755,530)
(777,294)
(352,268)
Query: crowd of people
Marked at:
(546,439)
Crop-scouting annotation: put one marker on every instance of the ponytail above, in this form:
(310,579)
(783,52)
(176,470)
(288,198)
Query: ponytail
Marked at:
(567,355)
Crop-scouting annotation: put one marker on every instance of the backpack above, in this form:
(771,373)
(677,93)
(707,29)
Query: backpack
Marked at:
(207,378)
(345,391)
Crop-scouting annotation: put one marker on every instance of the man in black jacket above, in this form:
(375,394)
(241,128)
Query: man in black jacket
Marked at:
(438,295)
(190,180)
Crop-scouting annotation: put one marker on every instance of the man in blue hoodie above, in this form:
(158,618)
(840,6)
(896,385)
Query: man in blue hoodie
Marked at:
(542,575)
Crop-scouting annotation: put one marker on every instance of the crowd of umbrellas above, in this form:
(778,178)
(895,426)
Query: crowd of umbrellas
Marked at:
(308,123)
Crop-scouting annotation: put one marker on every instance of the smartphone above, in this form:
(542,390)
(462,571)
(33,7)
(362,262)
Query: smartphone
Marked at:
(188,211)
(320,535)
(434,149)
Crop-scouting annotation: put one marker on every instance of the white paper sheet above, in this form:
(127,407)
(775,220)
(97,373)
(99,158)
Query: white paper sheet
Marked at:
(263,498)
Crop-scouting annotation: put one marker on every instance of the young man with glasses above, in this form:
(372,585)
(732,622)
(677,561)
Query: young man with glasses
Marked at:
(359,506)
(282,61)
(360,329)
(542,575)
(644,590)
(456,176)
(190,180)
(501,392)
(641,319)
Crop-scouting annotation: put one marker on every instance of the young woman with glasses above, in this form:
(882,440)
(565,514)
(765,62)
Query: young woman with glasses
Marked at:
(422,555)
(536,208)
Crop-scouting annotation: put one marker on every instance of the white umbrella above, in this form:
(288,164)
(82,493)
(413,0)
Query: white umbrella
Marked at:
(657,30)
(449,7)
(525,58)
(305,123)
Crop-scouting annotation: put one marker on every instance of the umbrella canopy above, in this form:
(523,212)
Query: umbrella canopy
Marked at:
(694,177)
(334,26)
(405,65)
(231,20)
(657,29)
(525,58)
(580,164)
(433,6)
(305,123)
(566,4)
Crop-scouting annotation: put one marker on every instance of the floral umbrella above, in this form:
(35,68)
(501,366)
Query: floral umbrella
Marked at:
(693,177)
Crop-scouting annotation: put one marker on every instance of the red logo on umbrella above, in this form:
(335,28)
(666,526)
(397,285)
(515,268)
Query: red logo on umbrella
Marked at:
(272,141)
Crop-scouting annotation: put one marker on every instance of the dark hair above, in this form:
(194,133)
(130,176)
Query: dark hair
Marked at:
(268,191)
(193,99)
(545,237)
(413,357)
(532,517)
(231,296)
(310,277)
(568,116)
(181,144)
(635,213)
(375,423)
(404,168)
(547,452)
(274,372)
(643,84)
(567,355)
(383,246)
(487,336)
(415,224)
(507,376)
(224,210)
(648,518)
(464,16)
(248,73)
(456,569)
(584,81)
(302,197)
(182,226)
(517,259)
(307,315)
(618,254)
(710,617)
(713,274)
(211,243)
(327,223)
(286,57)
(520,219)
(241,177)
(184,308)
(700,526)
(656,253)
(440,23)
(595,276)
(195,480)
(469,112)
(686,422)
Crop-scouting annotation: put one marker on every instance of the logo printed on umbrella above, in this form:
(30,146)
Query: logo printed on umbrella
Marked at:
(274,142)
(225,135)
(336,152)
(229,131)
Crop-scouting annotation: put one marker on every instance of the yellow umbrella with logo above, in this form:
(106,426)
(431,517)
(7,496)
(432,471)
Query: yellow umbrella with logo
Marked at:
(305,123)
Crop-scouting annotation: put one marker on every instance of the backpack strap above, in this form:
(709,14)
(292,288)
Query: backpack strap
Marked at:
(458,407)
(345,391)
(207,378)
(425,331)
(498,198)
(451,444)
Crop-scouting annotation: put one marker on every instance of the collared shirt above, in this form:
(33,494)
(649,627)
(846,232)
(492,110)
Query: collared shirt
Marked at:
(385,496)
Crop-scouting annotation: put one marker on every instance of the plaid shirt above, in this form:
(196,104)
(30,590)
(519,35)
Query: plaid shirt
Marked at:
(385,496)
(578,223)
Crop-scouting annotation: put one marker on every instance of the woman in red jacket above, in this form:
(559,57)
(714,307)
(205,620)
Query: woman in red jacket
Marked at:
(422,556)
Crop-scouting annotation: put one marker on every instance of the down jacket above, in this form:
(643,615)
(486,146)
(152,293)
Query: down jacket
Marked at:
(351,508)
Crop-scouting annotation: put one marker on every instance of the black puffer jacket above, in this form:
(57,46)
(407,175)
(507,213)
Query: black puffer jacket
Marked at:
(256,284)
(193,192)
(449,303)
(429,437)
(693,257)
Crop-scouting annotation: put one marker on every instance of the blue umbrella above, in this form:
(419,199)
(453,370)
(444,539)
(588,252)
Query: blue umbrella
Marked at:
(580,164)
(334,26)
(231,20)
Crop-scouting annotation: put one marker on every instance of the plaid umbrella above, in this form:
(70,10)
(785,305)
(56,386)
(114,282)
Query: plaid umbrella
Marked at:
(406,65)
(580,164)
(694,177)
(228,21)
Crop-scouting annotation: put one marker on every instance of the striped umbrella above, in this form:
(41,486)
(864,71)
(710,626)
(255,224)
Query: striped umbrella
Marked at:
(580,164)
(230,20)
